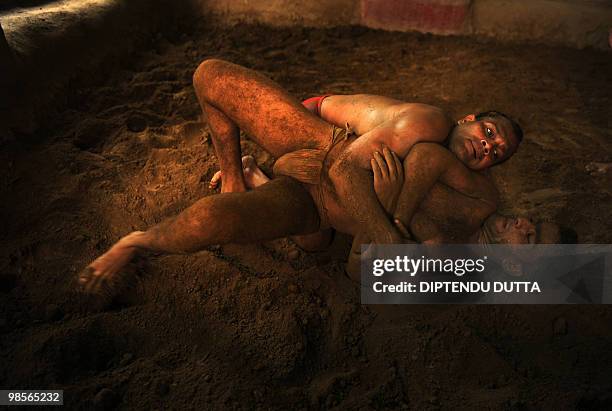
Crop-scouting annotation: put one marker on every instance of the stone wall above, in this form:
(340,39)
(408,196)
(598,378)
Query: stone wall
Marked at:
(574,23)
(43,49)
(317,13)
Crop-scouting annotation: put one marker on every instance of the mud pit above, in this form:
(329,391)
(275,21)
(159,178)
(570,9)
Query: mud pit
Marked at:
(268,326)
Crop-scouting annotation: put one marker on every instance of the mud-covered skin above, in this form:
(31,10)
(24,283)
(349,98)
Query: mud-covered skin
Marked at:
(478,143)
(253,175)
(100,277)
(366,113)
(279,208)
(283,207)
(234,97)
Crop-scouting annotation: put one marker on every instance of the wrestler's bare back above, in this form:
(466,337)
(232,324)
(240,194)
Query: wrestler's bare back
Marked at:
(364,113)
(473,196)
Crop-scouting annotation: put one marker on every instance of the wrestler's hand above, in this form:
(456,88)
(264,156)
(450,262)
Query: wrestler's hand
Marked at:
(388,178)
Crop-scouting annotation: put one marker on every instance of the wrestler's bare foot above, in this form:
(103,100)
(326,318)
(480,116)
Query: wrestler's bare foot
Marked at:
(102,276)
(227,186)
(253,175)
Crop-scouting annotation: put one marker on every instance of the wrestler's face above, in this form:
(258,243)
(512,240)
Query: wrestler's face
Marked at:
(511,230)
(480,144)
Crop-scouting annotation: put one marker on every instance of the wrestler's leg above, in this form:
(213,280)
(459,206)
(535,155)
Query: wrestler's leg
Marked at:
(226,140)
(318,241)
(277,209)
(255,177)
(260,107)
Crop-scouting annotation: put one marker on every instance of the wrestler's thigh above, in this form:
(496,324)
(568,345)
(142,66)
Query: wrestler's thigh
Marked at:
(260,107)
(318,241)
(279,208)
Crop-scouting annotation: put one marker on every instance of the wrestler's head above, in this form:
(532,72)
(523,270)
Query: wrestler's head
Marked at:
(500,229)
(483,140)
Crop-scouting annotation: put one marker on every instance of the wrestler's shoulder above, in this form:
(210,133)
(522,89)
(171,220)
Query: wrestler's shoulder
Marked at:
(431,120)
(420,109)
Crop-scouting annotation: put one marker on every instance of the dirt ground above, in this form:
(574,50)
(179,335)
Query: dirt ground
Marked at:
(269,326)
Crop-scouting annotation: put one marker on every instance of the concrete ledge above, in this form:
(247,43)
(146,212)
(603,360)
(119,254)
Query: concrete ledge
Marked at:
(284,12)
(432,16)
(7,73)
(571,23)
(574,23)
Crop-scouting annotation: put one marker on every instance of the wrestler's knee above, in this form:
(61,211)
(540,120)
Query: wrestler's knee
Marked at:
(205,76)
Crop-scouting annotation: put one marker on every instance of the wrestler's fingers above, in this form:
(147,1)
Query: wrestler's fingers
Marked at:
(390,163)
(376,170)
(91,285)
(214,181)
(85,274)
(84,277)
(398,167)
(384,170)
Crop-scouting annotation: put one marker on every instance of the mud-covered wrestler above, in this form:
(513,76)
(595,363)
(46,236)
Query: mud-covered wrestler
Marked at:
(390,183)
(479,141)
(282,207)
(232,97)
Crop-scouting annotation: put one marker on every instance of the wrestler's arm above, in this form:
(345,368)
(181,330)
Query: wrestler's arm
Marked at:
(352,181)
(388,182)
(425,165)
(351,176)
(312,104)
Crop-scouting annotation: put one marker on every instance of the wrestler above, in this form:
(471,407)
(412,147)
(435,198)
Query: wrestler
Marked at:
(233,98)
(283,207)
(388,182)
